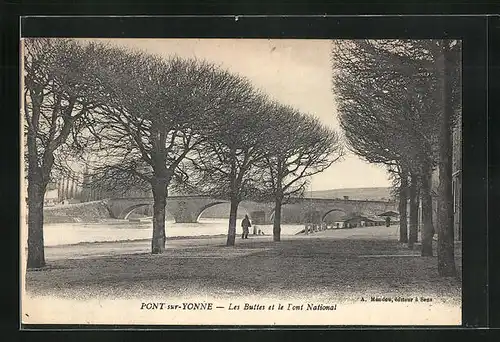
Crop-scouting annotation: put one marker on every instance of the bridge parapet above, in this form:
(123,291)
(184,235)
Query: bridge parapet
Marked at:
(187,209)
(338,200)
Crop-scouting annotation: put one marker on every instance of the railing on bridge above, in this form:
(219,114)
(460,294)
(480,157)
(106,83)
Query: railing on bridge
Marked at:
(314,227)
(318,227)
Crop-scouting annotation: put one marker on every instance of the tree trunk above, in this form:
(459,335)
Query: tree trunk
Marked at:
(427,227)
(403,201)
(231,233)
(36,193)
(417,211)
(66,189)
(413,212)
(446,243)
(277,220)
(59,190)
(159,203)
(36,253)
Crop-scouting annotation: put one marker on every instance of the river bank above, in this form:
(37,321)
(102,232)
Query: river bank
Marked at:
(95,211)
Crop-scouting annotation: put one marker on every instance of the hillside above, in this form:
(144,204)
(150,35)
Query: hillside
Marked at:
(380,193)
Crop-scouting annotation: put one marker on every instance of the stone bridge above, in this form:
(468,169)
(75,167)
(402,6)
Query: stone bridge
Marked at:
(188,209)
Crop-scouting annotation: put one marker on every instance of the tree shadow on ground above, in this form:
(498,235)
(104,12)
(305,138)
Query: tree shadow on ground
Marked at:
(321,266)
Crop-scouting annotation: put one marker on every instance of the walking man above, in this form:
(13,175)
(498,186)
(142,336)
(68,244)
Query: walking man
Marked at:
(245,224)
(387,221)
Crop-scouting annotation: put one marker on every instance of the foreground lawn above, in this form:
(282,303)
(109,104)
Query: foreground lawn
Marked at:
(325,266)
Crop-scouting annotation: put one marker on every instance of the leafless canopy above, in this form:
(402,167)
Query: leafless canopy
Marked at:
(225,164)
(299,148)
(388,93)
(159,111)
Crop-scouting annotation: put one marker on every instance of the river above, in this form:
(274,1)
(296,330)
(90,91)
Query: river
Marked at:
(56,234)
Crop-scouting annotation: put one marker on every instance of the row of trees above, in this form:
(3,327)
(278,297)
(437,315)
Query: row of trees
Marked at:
(398,100)
(139,120)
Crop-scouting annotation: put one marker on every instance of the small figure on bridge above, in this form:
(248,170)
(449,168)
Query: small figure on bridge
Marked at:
(245,224)
(387,221)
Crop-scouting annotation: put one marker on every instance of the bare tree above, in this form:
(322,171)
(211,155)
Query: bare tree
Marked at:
(300,148)
(398,85)
(226,165)
(399,176)
(369,106)
(59,98)
(425,107)
(414,205)
(396,80)
(160,111)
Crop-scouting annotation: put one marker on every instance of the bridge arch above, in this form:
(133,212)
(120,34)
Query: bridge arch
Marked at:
(323,217)
(205,207)
(129,210)
(125,214)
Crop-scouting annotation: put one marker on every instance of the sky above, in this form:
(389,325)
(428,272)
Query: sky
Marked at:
(296,72)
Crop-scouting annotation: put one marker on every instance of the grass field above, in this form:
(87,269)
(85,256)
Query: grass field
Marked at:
(344,265)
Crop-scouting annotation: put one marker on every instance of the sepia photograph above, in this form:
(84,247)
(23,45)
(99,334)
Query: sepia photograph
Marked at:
(183,181)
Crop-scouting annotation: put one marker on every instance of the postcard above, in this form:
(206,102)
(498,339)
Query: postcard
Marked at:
(241,182)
